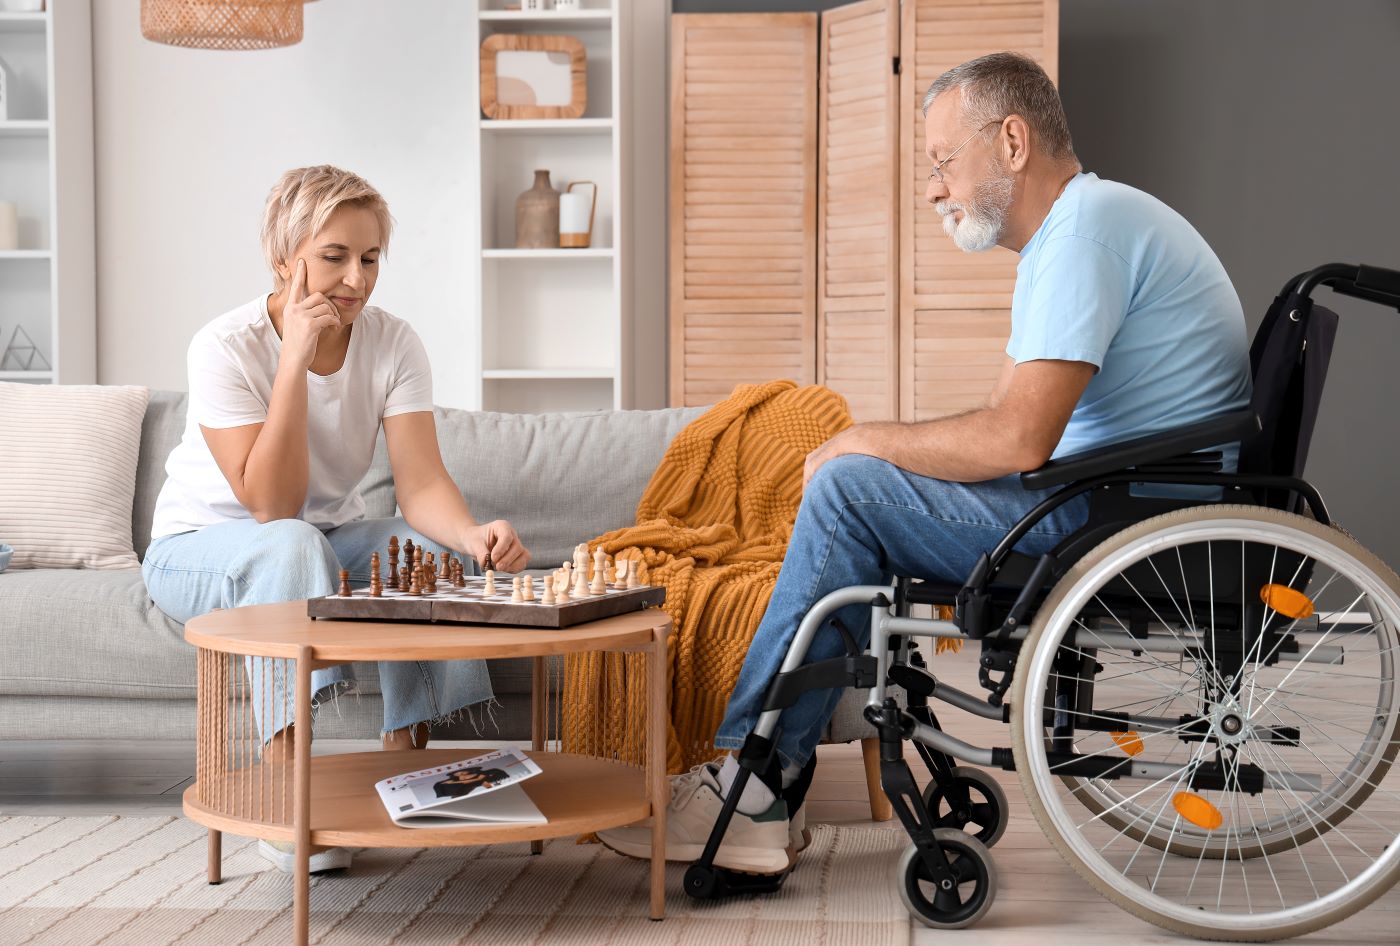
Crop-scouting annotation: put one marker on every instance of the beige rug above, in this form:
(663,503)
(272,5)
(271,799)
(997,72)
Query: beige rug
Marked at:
(114,881)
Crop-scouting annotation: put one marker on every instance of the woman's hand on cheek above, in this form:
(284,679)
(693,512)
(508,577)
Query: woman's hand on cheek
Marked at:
(304,318)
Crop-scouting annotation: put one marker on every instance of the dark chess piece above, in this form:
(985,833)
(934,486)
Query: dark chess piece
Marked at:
(376,588)
(393,561)
(345,583)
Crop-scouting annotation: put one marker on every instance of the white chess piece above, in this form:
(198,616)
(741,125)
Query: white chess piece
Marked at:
(515,593)
(568,575)
(581,559)
(529,589)
(600,572)
(633,578)
(620,569)
(548,598)
(580,589)
(490,587)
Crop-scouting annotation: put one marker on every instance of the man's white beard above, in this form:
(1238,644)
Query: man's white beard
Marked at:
(984,216)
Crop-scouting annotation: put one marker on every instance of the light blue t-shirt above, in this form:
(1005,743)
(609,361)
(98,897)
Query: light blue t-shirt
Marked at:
(1117,278)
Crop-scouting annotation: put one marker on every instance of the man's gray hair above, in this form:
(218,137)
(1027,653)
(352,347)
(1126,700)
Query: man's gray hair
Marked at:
(1001,84)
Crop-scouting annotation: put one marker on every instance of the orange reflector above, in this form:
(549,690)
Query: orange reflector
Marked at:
(1286,601)
(1128,741)
(1197,810)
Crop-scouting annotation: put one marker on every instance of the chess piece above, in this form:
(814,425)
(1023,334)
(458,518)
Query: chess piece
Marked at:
(548,599)
(529,588)
(345,583)
(490,587)
(376,589)
(516,594)
(393,561)
(581,559)
(445,567)
(580,589)
(408,549)
(600,572)
(622,567)
(415,586)
(561,594)
(634,580)
(567,579)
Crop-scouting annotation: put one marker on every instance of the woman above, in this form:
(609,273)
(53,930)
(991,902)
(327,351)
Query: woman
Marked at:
(287,395)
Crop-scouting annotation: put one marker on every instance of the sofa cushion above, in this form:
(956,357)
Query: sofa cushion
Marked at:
(560,479)
(94,633)
(161,430)
(97,634)
(70,457)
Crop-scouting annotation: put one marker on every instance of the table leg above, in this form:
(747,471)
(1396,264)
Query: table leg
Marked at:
(539,704)
(659,788)
(215,856)
(301,875)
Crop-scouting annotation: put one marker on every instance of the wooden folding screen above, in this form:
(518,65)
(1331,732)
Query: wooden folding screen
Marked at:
(743,202)
(858,208)
(955,307)
(801,244)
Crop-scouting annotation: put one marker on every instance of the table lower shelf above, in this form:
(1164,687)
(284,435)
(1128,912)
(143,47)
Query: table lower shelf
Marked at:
(578,794)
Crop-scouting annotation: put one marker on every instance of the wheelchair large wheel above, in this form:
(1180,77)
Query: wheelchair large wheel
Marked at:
(1204,718)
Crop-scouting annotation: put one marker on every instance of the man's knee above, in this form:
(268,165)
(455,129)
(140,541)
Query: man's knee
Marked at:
(846,478)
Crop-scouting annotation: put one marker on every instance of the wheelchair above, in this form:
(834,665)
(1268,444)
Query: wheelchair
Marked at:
(1201,693)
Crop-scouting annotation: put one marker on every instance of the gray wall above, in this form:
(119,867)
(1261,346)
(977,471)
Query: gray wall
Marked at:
(1272,126)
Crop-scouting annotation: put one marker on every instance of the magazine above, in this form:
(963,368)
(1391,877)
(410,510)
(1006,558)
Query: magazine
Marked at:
(484,789)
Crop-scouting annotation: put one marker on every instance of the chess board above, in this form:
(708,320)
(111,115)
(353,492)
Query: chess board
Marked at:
(471,605)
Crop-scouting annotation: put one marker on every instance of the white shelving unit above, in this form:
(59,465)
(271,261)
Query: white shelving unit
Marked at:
(551,328)
(47,286)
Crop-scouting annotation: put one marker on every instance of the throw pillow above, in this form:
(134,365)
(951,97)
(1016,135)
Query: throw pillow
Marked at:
(68,473)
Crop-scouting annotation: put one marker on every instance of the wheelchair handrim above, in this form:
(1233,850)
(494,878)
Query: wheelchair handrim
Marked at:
(1057,618)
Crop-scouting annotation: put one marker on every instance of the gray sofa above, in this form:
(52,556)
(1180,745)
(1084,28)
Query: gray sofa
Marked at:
(86,653)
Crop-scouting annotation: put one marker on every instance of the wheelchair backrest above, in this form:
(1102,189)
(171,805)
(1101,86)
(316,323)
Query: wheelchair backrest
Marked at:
(1288,360)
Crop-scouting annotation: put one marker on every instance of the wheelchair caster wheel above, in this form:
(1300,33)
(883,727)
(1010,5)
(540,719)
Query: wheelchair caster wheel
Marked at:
(967,901)
(703,883)
(980,809)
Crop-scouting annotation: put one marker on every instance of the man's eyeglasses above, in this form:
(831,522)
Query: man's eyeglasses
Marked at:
(937,173)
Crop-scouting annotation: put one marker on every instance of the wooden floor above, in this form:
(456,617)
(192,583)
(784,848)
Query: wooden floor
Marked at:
(1039,902)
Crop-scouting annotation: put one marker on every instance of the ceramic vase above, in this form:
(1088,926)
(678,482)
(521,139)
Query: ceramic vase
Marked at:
(537,216)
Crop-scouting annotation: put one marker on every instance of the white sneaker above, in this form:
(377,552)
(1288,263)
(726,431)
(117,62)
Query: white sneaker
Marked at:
(754,844)
(798,835)
(283,855)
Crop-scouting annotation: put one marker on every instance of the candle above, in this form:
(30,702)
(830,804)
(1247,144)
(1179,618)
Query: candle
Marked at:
(9,226)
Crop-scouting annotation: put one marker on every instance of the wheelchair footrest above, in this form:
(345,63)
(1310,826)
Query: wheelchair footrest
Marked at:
(716,883)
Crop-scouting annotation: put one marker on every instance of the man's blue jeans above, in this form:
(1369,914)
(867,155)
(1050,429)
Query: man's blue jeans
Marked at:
(245,562)
(862,521)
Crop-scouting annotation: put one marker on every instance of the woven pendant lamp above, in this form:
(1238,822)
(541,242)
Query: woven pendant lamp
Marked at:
(229,24)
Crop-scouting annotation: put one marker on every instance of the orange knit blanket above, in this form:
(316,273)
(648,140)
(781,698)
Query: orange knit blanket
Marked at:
(712,527)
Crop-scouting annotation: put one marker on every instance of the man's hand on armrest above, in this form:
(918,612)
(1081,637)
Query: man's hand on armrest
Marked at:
(1017,432)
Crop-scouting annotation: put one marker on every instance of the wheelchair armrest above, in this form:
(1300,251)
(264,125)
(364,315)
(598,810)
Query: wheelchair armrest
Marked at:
(1225,428)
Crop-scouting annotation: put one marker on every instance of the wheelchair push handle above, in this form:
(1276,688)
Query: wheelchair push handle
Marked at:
(1372,283)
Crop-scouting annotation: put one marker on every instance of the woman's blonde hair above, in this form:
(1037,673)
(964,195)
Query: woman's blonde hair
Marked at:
(303,200)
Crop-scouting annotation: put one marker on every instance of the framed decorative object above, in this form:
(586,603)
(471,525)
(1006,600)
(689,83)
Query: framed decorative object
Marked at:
(525,76)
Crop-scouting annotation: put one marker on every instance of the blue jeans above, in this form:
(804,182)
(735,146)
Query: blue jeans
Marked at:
(862,521)
(245,562)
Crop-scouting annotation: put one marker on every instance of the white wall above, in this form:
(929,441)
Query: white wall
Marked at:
(188,142)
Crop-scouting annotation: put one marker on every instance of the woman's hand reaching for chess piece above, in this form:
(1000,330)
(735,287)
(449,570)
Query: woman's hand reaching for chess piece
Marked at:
(498,541)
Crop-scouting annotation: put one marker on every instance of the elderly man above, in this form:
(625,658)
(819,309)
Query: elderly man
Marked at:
(1123,324)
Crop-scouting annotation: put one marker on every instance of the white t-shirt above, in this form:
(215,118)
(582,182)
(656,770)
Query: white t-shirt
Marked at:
(232,364)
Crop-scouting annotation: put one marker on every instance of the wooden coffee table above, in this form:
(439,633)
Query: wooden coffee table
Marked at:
(331,800)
